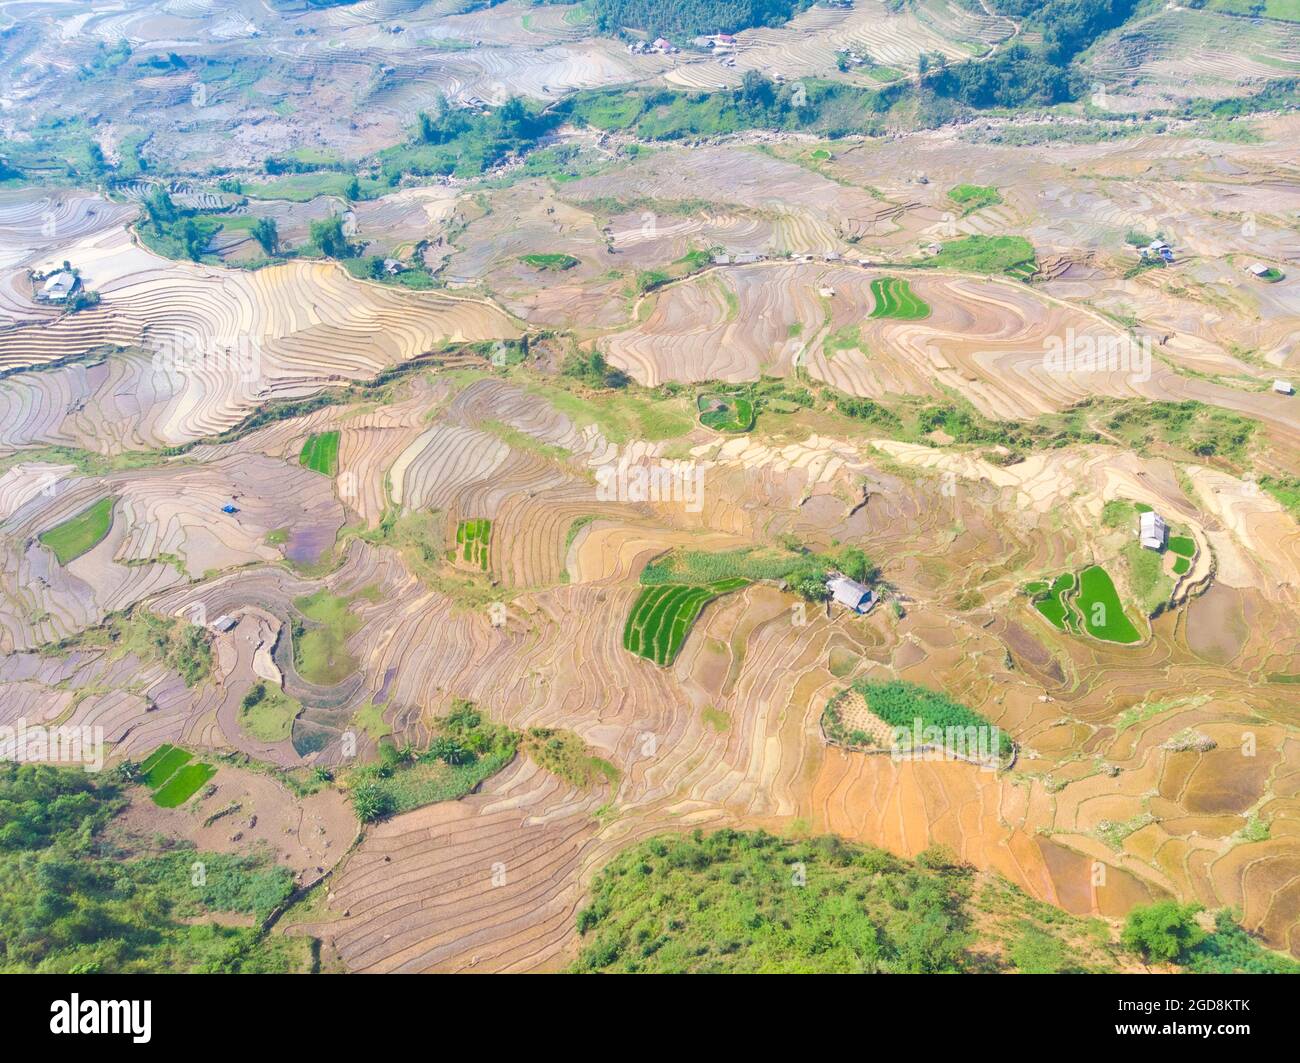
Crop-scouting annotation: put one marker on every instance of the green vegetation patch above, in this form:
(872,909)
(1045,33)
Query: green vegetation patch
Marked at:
(466,749)
(320,652)
(183,785)
(80,534)
(554,263)
(162,764)
(167,771)
(901,705)
(1013,255)
(621,414)
(1287,10)
(748,902)
(321,453)
(1119,513)
(1052,601)
(185,238)
(1286,489)
(662,616)
(974,197)
(302,187)
(106,909)
(726,413)
(1204,431)
(267,713)
(1146,577)
(684,20)
(1182,545)
(1103,614)
(716,719)
(893,297)
(803,571)
(473,538)
(1168,932)
(844,338)
(566,756)
(456,141)
(183,647)
(1090,602)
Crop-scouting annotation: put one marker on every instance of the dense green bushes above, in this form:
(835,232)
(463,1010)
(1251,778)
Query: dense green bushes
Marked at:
(71,902)
(466,143)
(805,571)
(466,749)
(750,902)
(828,108)
(683,19)
(901,704)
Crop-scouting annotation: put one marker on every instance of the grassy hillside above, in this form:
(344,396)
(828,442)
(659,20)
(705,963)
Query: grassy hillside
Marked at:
(750,902)
(71,902)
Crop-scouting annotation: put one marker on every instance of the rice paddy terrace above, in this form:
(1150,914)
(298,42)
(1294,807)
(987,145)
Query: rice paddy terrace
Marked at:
(311,512)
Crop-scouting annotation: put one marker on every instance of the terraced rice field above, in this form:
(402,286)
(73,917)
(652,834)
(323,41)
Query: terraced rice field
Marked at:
(167,771)
(1103,613)
(361,613)
(473,540)
(321,453)
(662,617)
(893,297)
(80,534)
(1088,604)
(1051,601)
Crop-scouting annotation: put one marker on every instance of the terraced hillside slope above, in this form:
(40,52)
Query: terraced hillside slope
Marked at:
(478,476)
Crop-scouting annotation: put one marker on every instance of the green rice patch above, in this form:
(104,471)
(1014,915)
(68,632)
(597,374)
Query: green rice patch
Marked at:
(161,764)
(1182,545)
(662,617)
(550,263)
(1052,603)
(1103,614)
(1181,566)
(473,538)
(167,771)
(321,453)
(893,297)
(80,534)
(183,785)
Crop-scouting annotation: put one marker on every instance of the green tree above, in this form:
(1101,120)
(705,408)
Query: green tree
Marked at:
(160,208)
(1164,931)
(592,369)
(195,238)
(267,234)
(327,236)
